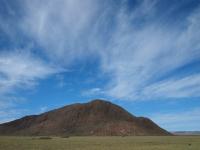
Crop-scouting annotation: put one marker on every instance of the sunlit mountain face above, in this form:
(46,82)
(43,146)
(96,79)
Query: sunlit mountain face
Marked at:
(141,54)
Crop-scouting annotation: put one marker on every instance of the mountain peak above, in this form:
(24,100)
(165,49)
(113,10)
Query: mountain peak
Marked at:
(97,117)
(99,101)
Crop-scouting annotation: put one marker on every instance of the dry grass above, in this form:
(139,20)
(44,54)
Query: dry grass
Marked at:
(101,143)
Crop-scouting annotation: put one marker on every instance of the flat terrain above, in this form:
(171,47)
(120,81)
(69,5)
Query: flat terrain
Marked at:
(101,143)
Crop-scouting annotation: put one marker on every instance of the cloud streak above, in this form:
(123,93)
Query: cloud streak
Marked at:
(137,47)
(187,120)
(138,57)
(186,87)
(62,34)
(8,108)
(22,70)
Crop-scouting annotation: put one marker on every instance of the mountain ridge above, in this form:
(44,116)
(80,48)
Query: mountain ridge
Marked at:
(97,117)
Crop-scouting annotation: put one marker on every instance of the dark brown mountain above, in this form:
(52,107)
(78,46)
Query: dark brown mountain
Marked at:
(97,117)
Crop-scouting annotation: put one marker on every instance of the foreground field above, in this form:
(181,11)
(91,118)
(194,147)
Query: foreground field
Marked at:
(101,143)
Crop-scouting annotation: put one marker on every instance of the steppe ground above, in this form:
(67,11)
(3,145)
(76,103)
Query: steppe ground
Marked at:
(101,143)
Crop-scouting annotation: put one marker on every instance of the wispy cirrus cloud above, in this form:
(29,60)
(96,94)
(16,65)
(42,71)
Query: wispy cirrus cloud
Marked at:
(139,49)
(92,92)
(22,70)
(8,108)
(185,87)
(137,46)
(178,121)
(62,34)
(139,57)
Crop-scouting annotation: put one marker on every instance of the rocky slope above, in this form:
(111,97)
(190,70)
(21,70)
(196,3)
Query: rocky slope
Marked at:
(98,117)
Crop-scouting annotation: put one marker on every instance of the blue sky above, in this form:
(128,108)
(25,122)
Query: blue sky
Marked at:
(141,54)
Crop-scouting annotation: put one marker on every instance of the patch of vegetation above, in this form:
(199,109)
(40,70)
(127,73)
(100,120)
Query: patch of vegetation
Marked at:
(65,136)
(45,138)
(101,143)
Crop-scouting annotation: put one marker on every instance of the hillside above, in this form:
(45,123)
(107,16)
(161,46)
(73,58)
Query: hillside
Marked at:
(98,117)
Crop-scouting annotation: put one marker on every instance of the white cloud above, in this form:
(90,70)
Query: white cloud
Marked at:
(92,92)
(43,109)
(137,57)
(61,27)
(178,121)
(135,48)
(175,88)
(10,114)
(22,70)
(8,108)
(61,81)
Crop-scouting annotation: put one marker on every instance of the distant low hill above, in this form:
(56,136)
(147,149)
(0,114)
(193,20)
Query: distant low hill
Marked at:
(98,117)
(186,133)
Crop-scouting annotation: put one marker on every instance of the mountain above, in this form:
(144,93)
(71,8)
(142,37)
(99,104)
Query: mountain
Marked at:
(186,133)
(98,117)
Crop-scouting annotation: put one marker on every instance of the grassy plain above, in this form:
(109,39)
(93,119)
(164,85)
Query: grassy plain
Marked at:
(101,143)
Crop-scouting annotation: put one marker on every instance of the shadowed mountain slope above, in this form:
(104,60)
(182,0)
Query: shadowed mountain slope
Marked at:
(97,117)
